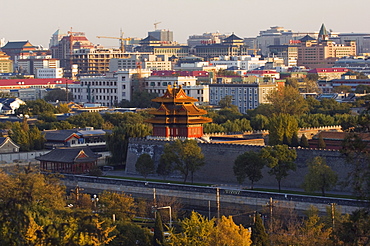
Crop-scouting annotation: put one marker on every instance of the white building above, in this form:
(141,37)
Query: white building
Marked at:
(206,38)
(145,61)
(244,96)
(30,64)
(158,84)
(44,73)
(110,89)
(241,62)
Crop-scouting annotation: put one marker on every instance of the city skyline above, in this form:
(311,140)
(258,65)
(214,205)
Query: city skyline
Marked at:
(37,20)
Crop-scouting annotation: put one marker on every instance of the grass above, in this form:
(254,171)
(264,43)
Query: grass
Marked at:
(306,193)
(255,189)
(158,180)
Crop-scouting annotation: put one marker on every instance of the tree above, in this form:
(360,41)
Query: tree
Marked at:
(199,231)
(165,166)
(120,204)
(356,230)
(249,165)
(128,234)
(362,89)
(87,119)
(228,233)
(342,89)
(280,159)
(287,100)
(355,150)
(187,157)
(195,231)
(145,165)
(304,141)
(58,95)
(259,235)
(281,125)
(158,237)
(320,176)
(321,143)
(39,106)
(140,99)
(259,122)
(117,144)
(295,140)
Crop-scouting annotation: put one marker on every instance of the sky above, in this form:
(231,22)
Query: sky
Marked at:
(37,20)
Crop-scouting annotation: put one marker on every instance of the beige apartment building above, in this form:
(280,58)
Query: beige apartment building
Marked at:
(322,52)
(6,65)
(95,61)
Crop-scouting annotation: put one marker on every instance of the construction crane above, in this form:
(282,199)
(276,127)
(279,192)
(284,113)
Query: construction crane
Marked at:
(122,45)
(156,24)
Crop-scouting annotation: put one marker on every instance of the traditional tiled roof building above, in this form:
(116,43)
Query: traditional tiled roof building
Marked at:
(69,160)
(177,116)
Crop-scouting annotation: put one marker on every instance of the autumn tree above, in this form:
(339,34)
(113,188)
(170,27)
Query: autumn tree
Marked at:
(280,159)
(195,231)
(117,203)
(145,165)
(248,165)
(228,233)
(199,231)
(287,100)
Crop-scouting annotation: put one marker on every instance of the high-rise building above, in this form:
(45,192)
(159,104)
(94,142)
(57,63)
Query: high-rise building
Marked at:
(162,35)
(6,65)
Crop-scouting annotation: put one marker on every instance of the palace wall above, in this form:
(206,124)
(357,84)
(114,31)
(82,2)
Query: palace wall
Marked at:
(220,157)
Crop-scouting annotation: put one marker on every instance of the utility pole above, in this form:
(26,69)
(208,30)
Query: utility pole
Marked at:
(333,213)
(218,203)
(270,204)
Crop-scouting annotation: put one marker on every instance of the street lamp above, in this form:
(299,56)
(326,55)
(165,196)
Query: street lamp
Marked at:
(165,207)
(94,200)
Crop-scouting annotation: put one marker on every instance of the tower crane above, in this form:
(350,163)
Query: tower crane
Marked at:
(156,24)
(122,46)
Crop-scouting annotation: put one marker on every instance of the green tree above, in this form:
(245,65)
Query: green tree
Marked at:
(356,230)
(259,122)
(342,89)
(213,128)
(117,144)
(58,95)
(165,166)
(281,125)
(158,237)
(187,157)
(249,165)
(128,234)
(320,176)
(304,141)
(145,165)
(39,106)
(140,99)
(362,89)
(287,100)
(280,159)
(321,143)
(259,235)
(295,140)
(87,119)
(20,136)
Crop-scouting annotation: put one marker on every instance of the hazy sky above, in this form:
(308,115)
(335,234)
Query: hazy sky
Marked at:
(37,20)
